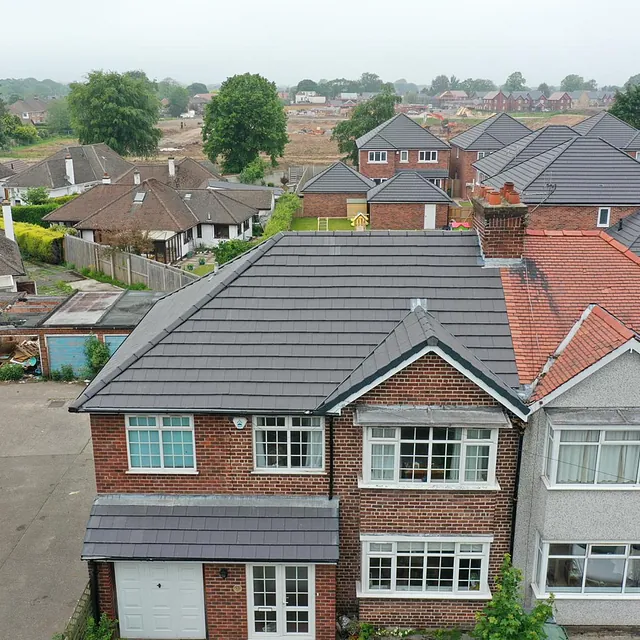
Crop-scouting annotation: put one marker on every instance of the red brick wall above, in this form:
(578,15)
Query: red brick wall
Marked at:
(325,602)
(558,217)
(404,215)
(393,164)
(107,589)
(225,609)
(330,205)
(501,228)
(463,171)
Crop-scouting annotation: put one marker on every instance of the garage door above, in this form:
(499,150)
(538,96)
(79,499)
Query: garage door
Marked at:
(160,600)
(114,342)
(66,350)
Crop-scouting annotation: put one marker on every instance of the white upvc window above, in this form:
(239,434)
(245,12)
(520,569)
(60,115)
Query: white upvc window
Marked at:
(283,444)
(404,156)
(427,156)
(160,444)
(598,458)
(404,566)
(436,181)
(377,157)
(482,154)
(604,216)
(582,569)
(427,457)
(637,155)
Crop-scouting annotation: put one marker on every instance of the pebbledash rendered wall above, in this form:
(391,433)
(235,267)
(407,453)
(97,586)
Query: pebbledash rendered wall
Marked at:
(565,514)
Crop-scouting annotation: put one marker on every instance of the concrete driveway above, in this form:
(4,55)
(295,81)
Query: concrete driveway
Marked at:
(46,489)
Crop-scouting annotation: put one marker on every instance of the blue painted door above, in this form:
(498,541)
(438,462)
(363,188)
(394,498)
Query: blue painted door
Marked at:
(113,342)
(67,350)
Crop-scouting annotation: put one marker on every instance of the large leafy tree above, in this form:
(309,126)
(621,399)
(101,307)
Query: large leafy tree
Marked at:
(117,109)
(58,116)
(440,84)
(626,105)
(633,80)
(472,85)
(197,87)
(515,82)
(364,117)
(370,82)
(544,87)
(178,100)
(307,85)
(244,119)
(572,82)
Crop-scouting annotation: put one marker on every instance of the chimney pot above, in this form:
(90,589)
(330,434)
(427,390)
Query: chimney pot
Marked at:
(136,177)
(8,220)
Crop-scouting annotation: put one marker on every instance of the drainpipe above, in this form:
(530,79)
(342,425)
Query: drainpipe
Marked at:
(95,595)
(515,491)
(331,458)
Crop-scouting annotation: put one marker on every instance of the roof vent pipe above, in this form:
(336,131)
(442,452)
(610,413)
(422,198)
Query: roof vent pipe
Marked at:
(620,224)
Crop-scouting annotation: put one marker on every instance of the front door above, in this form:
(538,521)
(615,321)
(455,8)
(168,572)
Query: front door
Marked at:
(281,601)
(429,216)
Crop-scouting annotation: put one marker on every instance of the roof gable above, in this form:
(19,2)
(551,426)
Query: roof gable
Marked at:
(407,186)
(400,132)
(502,129)
(338,178)
(608,127)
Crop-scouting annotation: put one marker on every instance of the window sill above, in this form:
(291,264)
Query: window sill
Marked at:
(427,162)
(288,472)
(583,596)
(425,486)
(163,472)
(413,595)
(588,487)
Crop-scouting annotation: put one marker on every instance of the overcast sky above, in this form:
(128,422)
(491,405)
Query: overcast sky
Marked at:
(208,40)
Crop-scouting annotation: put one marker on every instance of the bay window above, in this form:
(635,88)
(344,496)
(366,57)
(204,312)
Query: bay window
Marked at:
(415,456)
(427,566)
(285,443)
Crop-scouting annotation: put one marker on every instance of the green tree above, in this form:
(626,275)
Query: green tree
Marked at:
(254,171)
(504,618)
(626,105)
(515,82)
(306,85)
(633,80)
(364,117)
(439,84)
(370,82)
(411,97)
(197,87)
(58,116)
(572,82)
(24,134)
(590,85)
(138,74)
(244,119)
(178,100)
(97,354)
(454,82)
(37,195)
(116,109)
(165,86)
(544,87)
(471,85)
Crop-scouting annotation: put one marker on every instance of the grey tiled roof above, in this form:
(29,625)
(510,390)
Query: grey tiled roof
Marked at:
(427,173)
(580,171)
(606,126)
(528,147)
(407,186)
(280,327)
(491,134)
(338,178)
(212,527)
(627,232)
(400,132)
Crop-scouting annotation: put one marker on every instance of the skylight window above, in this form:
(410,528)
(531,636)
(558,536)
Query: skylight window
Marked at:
(139,197)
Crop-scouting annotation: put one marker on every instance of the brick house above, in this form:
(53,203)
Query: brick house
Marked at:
(519,101)
(401,143)
(220,464)
(477,142)
(615,131)
(338,192)
(408,201)
(495,101)
(559,101)
(583,183)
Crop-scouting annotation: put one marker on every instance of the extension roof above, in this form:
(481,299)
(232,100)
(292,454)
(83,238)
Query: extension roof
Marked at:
(189,174)
(10,258)
(282,326)
(606,126)
(580,171)
(399,132)
(338,178)
(492,134)
(524,149)
(90,163)
(627,232)
(407,186)
(562,274)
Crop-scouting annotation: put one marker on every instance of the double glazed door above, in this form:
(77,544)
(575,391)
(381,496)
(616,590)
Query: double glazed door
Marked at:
(281,601)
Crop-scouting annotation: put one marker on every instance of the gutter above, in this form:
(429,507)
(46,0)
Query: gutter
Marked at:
(516,487)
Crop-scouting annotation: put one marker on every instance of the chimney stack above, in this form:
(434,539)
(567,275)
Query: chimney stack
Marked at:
(501,222)
(136,177)
(8,220)
(172,167)
(106,178)
(68,167)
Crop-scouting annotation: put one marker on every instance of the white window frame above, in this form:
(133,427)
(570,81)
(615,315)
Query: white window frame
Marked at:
(382,157)
(432,155)
(288,427)
(600,210)
(436,181)
(551,458)
(483,593)
(539,583)
(482,154)
(159,427)
(404,156)
(490,484)
(637,155)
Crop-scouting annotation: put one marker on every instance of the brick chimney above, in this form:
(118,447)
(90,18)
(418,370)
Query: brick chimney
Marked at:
(68,167)
(106,178)
(8,220)
(501,222)
(172,168)
(136,177)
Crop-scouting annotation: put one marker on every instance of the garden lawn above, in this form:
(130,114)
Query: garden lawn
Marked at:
(203,269)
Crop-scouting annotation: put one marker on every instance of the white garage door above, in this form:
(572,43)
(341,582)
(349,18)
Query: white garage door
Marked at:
(160,600)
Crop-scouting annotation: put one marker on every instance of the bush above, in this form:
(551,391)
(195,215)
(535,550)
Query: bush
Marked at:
(38,243)
(11,372)
(64,199)
(25,134)
(229,249)
(97,354)
(282,216)
(102,630)
(253,172)
(34,213)
(67,374)
(37,195)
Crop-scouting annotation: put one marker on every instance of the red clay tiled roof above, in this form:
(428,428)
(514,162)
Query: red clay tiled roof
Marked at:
(563,273)
(595,335)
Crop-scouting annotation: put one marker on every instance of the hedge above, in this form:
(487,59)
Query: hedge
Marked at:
(282,216)
(64,199)
(33,213)
(45,245)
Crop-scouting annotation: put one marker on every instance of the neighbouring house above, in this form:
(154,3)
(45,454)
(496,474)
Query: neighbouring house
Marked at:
(408,201)
(352,450)
(401,143)
(479,141)
(583,183)
(263,199)
(519,101)
(580,99)
(309,97)
(198,102)
(452,95)
(337,192)
(538,100)
(495,101)
(177,221)
(184,173)
(559,101)
(71,170)
(31,111)
(615,131)
(627,232)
